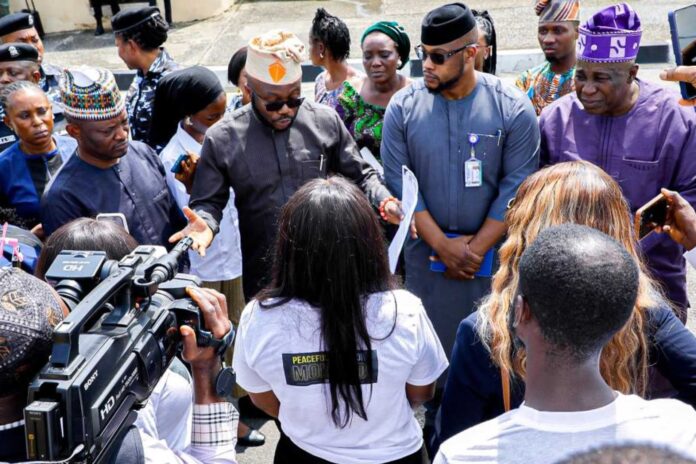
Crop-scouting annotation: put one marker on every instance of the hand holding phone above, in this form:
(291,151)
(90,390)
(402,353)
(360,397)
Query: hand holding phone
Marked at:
(682,24)
(651,216)
(178,164)
(187,170)
(681,220)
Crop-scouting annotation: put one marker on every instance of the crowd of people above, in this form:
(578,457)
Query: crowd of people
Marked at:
(526,317)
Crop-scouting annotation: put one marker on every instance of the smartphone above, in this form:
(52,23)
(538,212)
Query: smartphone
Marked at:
(682,25)
(176,167)
(651,215)
(116,218)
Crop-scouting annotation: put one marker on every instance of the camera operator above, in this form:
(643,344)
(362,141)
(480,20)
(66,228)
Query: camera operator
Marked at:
(169,411)
(30,309)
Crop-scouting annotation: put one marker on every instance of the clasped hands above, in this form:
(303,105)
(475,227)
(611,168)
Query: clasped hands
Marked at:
(461,259)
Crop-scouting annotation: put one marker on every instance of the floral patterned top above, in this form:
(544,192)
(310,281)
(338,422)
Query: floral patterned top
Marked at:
(363,120)
(544,86)
(322,94)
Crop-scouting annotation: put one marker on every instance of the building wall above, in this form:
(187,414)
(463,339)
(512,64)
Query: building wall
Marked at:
(69,15)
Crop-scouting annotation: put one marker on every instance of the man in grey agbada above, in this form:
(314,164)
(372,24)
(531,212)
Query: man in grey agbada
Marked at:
(267,150)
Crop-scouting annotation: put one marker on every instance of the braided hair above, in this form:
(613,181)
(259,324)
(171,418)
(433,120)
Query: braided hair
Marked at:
(149,35)
(332,32)
(10,89)
(486,25)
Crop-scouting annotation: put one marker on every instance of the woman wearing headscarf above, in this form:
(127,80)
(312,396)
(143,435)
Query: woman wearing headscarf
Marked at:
(363,102)
(187,103)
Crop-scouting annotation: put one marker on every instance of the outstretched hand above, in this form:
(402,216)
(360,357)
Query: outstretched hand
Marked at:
(197,229)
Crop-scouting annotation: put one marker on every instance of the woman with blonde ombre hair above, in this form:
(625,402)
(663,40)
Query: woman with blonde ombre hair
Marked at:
(487,369)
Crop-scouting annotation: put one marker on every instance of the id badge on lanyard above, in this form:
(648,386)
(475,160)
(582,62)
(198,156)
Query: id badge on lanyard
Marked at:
(473,168)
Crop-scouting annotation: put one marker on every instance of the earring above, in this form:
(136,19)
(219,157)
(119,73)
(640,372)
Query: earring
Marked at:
(399,64)
(321,55)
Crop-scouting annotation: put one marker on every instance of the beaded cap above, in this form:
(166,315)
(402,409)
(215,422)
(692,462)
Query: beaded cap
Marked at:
(90,94)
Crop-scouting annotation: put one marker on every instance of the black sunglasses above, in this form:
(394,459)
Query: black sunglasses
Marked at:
(440,58)
(272,107)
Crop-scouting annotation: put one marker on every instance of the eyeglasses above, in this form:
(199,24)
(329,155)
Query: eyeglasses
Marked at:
(440,58)
(272,107)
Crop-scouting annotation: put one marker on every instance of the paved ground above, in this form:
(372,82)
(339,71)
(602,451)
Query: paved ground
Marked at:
(213,41)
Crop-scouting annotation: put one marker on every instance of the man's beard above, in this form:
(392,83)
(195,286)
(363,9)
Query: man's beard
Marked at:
(442,86)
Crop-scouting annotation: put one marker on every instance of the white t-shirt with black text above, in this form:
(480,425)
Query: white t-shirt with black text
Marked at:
(280,349)
(525,435)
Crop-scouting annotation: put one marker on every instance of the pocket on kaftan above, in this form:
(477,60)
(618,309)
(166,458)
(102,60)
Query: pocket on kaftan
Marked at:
(640,180)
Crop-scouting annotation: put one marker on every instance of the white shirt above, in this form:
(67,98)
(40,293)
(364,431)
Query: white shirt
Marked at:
(279,349)
(223,259)
(175,431)
(526,435)
(168,413)
(213,440)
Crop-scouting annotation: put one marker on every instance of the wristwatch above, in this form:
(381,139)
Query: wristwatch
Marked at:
(224,383)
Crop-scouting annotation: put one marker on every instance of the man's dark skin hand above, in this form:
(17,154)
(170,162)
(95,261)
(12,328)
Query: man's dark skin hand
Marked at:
(205,362)
(681,220)
(463,255)
(685,74)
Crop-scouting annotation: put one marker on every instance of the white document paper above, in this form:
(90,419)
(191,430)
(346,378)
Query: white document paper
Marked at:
(409,198)
(372,161)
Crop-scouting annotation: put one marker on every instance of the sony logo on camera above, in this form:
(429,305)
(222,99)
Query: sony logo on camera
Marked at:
(91,380)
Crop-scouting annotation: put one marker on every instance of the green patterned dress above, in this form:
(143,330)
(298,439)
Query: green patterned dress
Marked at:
(363,120)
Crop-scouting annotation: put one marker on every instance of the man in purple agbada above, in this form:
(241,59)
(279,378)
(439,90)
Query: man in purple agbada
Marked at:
(634,130)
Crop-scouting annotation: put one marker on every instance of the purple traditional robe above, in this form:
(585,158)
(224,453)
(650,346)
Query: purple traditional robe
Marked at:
(652,146)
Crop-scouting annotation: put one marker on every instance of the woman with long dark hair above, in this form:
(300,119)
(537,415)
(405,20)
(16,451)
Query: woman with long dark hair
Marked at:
(332,347)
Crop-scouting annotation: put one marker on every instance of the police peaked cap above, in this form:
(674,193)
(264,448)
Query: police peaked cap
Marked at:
(18,52)
(15,22)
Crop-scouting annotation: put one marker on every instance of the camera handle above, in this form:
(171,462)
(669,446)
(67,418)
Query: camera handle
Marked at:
(66,335)
(166,267)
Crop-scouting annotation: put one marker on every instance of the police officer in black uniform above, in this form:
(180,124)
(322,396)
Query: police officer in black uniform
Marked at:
(18,62)
(140,35)
(19,27)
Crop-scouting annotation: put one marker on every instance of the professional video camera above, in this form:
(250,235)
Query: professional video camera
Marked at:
(110,351)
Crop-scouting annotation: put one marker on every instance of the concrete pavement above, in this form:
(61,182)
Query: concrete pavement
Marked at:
(213,41)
